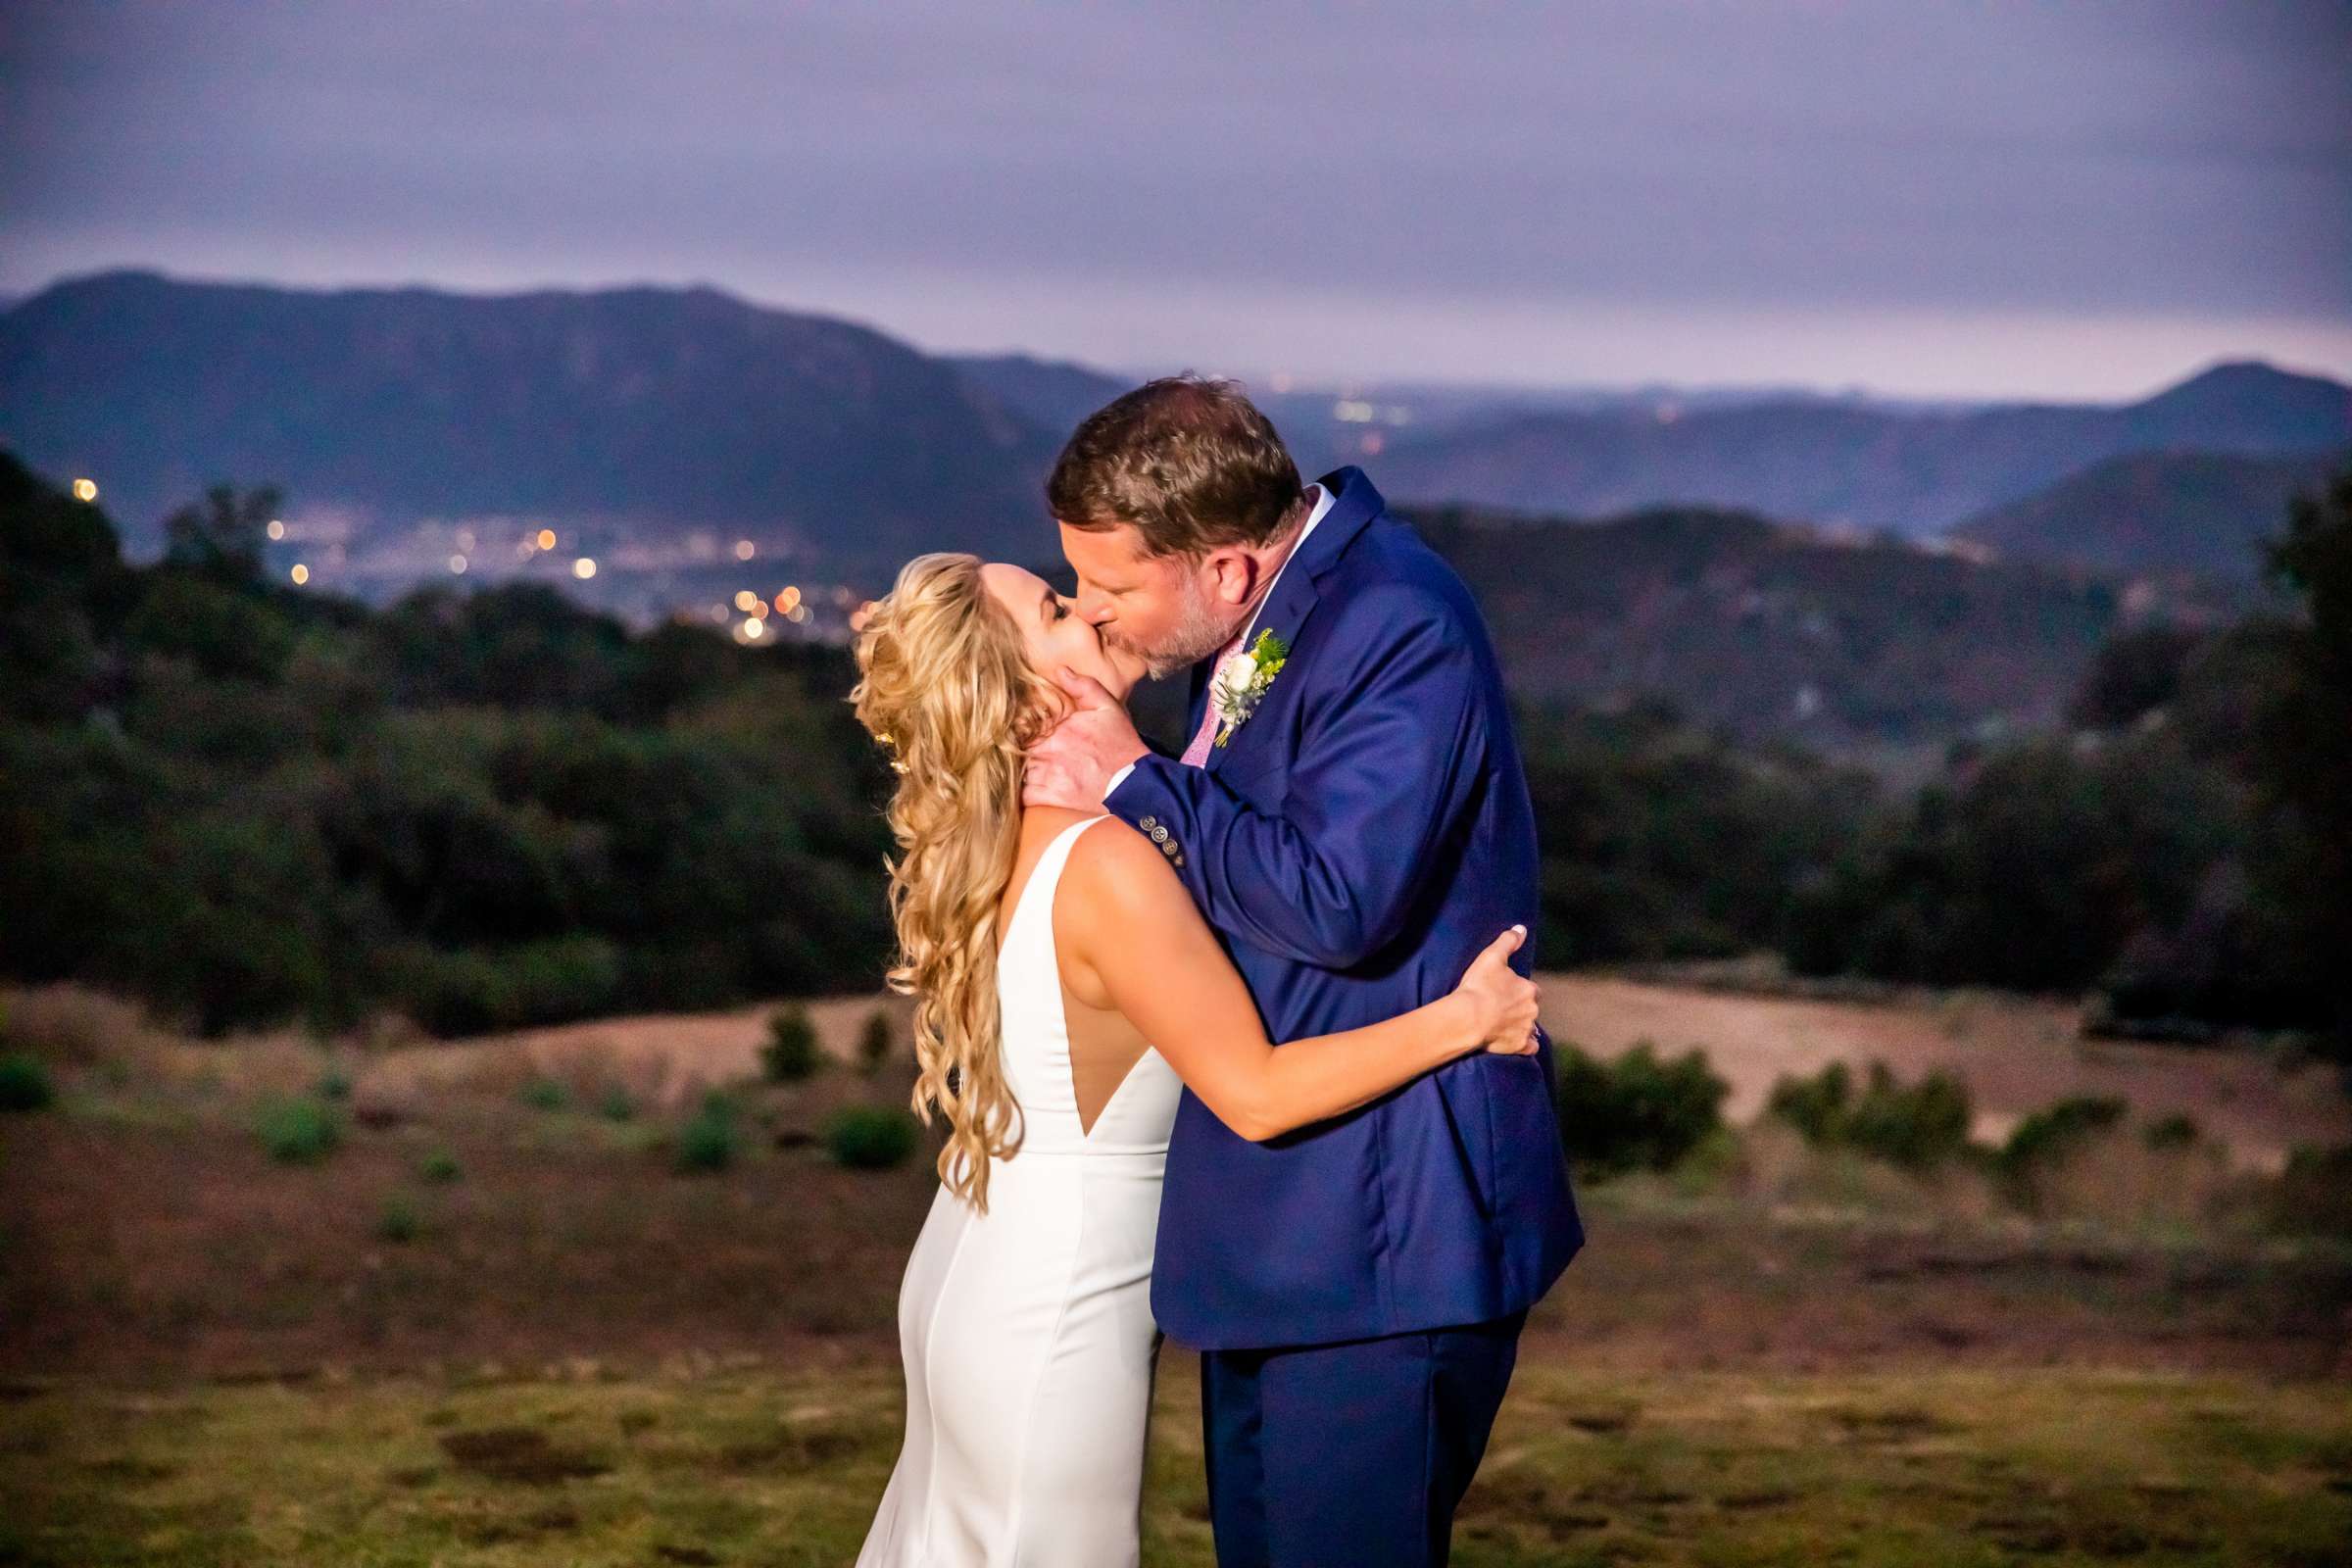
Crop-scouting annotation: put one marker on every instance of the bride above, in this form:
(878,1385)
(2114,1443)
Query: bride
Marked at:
(1067,991)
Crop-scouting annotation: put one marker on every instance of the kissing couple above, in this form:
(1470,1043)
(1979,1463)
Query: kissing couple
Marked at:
(1238,1044)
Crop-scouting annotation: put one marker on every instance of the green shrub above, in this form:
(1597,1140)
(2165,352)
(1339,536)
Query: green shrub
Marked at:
(439,1166)
(2179,1130)
(1638,1113)
(871,1137)
(874,1042)
(298,1131)
(791,1053)
(24,1083)
(2057,1129)
(398,1220)
(616,1106)
(1816,1107)
(706,1140)
(1918,1127)
(2045,1139)
(335,1084)
(545,1094)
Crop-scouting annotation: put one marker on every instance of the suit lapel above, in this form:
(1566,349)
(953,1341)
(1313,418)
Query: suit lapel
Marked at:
(1355,503)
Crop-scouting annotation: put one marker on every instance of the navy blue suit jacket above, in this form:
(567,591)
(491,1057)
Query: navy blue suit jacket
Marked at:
(1355,844)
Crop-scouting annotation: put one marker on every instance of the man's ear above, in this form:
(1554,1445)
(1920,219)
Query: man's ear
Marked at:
(1235,573)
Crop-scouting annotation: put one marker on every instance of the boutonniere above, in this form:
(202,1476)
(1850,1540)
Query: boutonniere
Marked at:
(1241,678)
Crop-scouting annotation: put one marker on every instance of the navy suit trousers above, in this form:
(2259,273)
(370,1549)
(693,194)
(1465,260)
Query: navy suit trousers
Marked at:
(1350,1455)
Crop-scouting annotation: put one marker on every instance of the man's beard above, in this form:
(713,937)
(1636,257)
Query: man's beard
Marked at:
(1200,629)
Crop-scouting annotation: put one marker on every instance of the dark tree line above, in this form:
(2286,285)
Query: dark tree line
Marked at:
(246,803)
(2185,850)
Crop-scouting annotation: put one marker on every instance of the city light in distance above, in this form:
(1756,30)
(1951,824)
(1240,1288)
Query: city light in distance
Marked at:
(755,629)
(457,563)
(788,601)
(583,568)
(86,489)
(465,540)
(301,574)
(547,538)
(742,550)
(278,528)
(746,600)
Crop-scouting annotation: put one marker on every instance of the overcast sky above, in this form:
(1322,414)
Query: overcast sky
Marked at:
(2073,200)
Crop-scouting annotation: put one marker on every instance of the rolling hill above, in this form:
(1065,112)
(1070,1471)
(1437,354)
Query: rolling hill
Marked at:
(1776,631)
(1918,473)
(675,406)
(671,407)
(2200,512)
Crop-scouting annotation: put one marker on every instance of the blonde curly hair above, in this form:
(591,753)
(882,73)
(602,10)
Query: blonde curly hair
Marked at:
(945,685)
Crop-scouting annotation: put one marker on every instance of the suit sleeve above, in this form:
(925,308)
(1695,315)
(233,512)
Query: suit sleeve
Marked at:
(1393,741)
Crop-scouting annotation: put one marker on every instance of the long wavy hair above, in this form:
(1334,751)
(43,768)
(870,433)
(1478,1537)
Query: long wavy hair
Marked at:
(945,687)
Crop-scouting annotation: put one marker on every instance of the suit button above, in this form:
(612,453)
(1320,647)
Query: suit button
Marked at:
(1165,848)
(1150,823)
(1160,835)
(1179,859)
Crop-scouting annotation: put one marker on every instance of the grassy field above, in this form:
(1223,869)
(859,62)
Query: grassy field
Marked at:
(753,1464)
(496,1323)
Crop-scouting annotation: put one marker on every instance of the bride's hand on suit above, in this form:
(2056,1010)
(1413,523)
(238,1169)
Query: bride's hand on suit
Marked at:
(1503,1005)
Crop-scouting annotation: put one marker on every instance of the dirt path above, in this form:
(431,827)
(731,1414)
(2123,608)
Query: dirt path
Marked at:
(663,1060)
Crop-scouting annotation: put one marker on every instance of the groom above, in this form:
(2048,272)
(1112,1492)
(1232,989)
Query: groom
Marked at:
(1351,816)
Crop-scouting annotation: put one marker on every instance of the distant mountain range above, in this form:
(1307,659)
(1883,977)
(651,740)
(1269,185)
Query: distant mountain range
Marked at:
(670,407)
(675,409)
(1918,474)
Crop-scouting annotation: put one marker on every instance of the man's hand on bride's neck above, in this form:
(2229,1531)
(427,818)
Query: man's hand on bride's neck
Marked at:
(1072,766)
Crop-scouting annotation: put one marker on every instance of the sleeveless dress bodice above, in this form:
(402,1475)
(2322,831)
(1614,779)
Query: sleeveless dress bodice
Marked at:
(1027,1333)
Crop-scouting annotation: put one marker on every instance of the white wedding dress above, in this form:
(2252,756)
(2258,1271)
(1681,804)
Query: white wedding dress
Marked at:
(1027,1333)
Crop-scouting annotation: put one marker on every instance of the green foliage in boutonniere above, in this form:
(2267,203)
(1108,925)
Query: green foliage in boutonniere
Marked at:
(1241,678)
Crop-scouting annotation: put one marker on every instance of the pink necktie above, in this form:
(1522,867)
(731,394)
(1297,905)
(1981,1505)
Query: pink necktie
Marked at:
(1197,754)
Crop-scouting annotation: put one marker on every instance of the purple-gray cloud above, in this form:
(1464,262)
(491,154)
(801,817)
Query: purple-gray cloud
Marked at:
(1929,196)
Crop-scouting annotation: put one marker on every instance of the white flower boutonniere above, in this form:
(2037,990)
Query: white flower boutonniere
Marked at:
(1241,678)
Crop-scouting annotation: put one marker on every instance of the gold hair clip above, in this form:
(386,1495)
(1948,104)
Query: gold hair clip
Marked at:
(890,744)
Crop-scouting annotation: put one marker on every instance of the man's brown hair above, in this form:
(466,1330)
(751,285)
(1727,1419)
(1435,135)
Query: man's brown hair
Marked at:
(1187,459)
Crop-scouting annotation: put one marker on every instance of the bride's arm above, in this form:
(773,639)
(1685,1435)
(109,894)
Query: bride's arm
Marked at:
(1128,929)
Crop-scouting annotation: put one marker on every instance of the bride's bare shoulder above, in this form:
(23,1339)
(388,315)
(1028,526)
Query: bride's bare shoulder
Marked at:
(1115,873)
